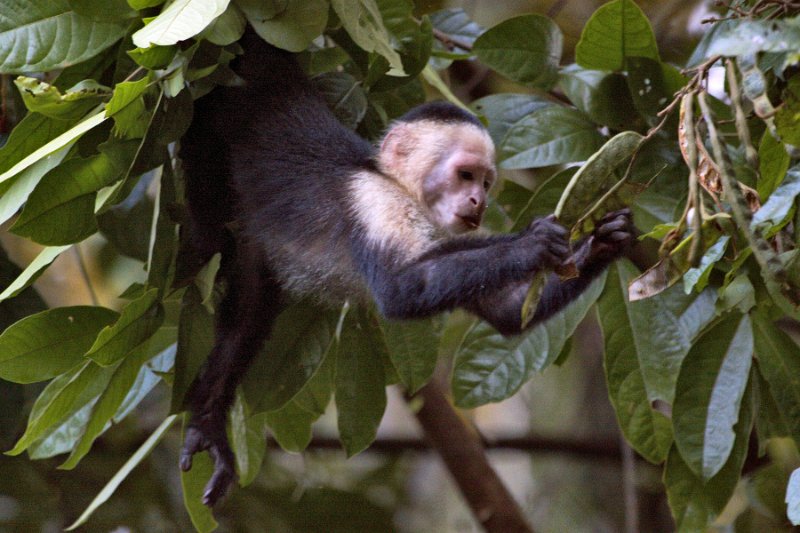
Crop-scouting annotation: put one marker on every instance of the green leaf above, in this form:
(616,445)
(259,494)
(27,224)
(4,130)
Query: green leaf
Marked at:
(155,57)
(137,323)
(63,397)
(360,381)
(746,36)
(292,27)
(489,367)
(544,200)
(32,132)
(504,110)
(124,93)
(526,49)
(179,21)
(61,208)
(41,97)
(140,454)
(227,28)
(118,390)
(315,396)
(294,352)
(773,162)
(52,145)
(695,502)
(248,440)
(780,201)
(455,24)
(32,272)
(648,431)
(43,35)
(708,394)
(652,85)
(549,136)
(603,96)
(195,341)
(103,9)
(46,344)
(616,31)
(291,426)
(413,349)
(596,177)
(779,363)
(362,21)
(698,276)
(344,95)
(14,192)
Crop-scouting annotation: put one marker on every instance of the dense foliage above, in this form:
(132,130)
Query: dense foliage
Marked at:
(700,368)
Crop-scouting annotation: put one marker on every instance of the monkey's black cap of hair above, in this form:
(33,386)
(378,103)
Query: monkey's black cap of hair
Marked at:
(441,111)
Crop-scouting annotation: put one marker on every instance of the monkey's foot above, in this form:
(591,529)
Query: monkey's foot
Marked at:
(200,439)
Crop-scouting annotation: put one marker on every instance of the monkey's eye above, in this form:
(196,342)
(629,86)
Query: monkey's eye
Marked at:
(486,185)
(465,175)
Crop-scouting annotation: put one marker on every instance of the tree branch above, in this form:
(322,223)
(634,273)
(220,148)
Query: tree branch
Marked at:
(462,452)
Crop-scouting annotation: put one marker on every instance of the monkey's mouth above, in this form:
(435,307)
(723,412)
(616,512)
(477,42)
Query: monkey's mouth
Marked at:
(471,221)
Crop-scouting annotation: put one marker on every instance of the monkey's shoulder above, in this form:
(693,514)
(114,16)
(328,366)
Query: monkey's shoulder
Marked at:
(389,216)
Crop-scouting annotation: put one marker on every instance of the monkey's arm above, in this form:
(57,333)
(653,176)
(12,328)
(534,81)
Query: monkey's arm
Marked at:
(459,272)
(502,308)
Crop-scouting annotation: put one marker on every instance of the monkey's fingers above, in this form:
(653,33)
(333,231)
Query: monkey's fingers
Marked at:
(193,443)
(612,226)
(224,474)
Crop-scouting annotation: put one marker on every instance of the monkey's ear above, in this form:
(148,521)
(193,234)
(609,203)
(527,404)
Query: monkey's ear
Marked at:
(397,143)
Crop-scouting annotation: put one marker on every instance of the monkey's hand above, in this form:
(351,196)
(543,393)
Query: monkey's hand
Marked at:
(613,234)
(207,433)
(548,239)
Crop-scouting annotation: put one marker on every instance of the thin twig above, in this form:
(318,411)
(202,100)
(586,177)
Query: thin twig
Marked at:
(85,274)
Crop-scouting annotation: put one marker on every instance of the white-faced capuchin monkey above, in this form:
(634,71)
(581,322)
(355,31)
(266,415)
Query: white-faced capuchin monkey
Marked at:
(300,205)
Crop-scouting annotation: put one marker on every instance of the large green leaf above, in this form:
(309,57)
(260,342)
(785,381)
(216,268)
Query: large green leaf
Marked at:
(294,352)
(413,349)
(602,95)
(248,438)
(118,390)
(779,363)
(526,49)
(46,344)
(14,192)
(456,24)
(490,367)
(504,110)
(179,21)
(32,132)
(26,153)
(708,394)
(696,502)
(293,27)
(44,98)
(549,136)
(291,426)
(60,210)
(616,31)
(360,381)
(32,271)
(43,35)
(647,430)
(195,341)
(137,323)
(362,20)
(64,396)
(780,202)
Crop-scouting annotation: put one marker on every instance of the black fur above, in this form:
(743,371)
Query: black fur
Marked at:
(268,169)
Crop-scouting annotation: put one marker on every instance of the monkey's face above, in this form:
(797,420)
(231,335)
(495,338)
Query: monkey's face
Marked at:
(456,188)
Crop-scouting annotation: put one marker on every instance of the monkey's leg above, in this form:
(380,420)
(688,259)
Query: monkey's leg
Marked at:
(244,319)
